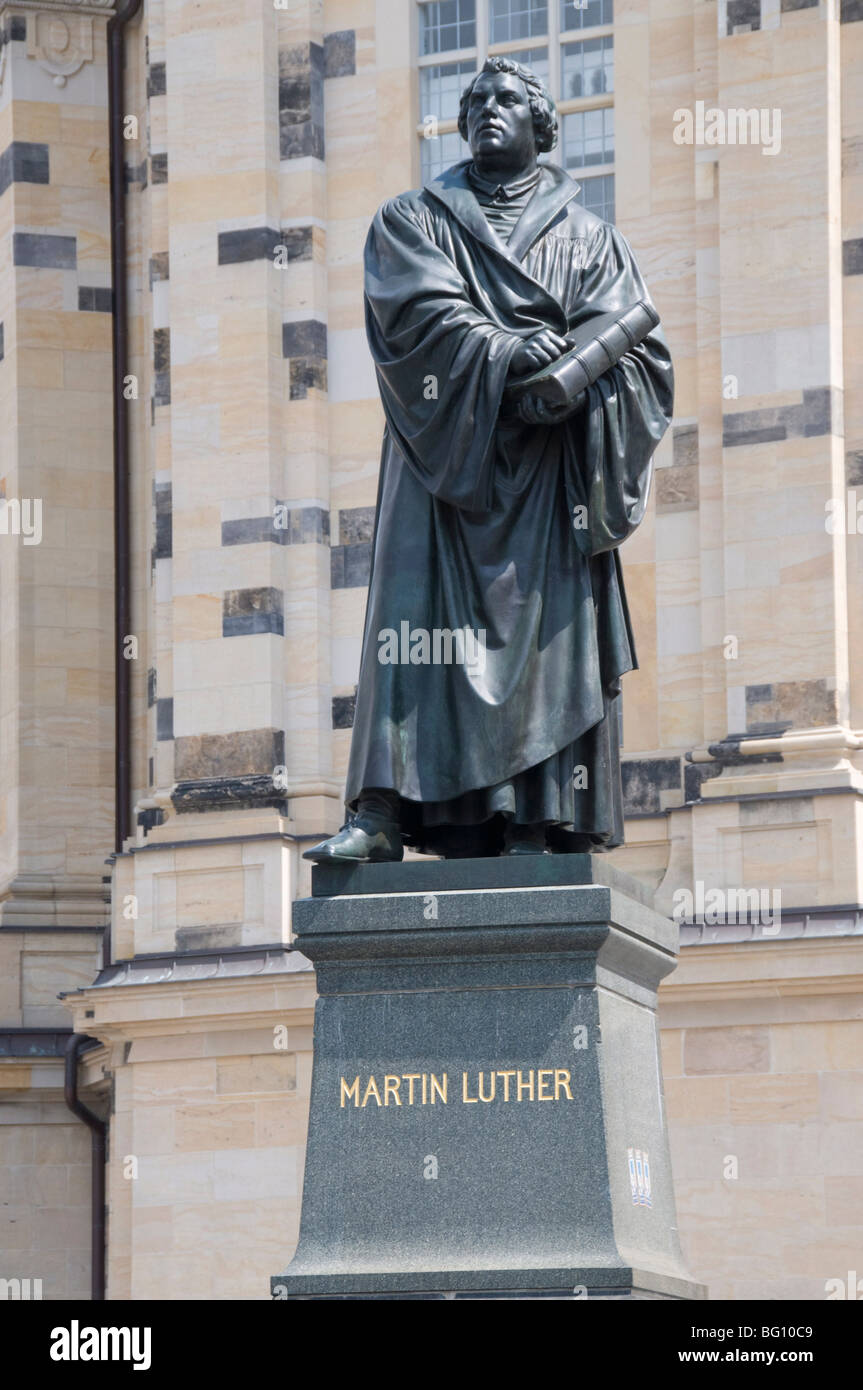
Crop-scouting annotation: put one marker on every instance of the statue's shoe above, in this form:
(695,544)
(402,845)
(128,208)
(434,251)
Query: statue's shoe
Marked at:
(526,847)
(381,843)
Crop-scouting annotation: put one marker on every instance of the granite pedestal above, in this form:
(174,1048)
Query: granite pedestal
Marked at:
(487,1117)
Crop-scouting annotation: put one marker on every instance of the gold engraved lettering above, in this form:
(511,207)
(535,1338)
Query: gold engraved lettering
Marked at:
(436,1086)
(481,1095)
(352,1092)
(410,1077)
(371,1090)
(541,1083)
(467,1100)
(525,1086)
(561,1081)
(391,1088)
(506,1075)
(425,1095)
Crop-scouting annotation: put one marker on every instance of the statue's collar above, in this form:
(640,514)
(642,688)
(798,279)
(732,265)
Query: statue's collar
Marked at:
(554,190)
(505,192)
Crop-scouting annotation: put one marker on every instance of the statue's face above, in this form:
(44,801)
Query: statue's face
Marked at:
(499,119)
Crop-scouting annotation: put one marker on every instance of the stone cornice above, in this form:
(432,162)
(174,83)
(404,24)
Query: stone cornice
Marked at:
(103,7)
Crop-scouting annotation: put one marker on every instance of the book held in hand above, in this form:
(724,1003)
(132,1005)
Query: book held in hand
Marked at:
(597,344)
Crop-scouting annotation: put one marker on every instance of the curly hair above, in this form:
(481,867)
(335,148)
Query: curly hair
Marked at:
(540,100)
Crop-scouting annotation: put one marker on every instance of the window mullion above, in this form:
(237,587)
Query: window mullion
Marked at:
(483,27)
(554,78)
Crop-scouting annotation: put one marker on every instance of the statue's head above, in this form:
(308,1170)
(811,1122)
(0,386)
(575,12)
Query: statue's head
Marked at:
(506,112)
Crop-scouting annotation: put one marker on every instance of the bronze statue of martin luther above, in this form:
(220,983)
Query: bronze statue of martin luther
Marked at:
(498,525)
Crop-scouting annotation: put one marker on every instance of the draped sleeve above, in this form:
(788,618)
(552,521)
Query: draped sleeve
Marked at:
(441,364)
(609,445)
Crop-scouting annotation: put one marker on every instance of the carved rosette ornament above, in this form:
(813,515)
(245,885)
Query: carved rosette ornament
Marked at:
(59,33)
(61,44)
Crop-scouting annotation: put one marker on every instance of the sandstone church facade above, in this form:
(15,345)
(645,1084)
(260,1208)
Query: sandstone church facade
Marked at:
(204,658)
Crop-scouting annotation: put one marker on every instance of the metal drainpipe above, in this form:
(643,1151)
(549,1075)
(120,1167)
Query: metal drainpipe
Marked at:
(78,1043)
(119,343)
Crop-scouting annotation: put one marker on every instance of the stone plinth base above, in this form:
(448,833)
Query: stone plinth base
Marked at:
(487,1115)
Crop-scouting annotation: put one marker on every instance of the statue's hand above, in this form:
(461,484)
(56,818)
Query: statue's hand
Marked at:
(533,410)
(537,352)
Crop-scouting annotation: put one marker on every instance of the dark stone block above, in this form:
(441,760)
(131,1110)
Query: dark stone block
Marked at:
(246,612)
(301,71)
(164,720)
(685,445)
(850,10)
(798,5)
(44,250)
(356,525)
(245,792)
(159,267)
(295,83)
(295,528)
(149,818)
(358,565)
(301,101)
(151,687)
(250,530)
(163,548)
(312,519)
(95,298)
(304,338)
(768,435)
(790,704)
(743,15)
(29,162)
(301,141)
(337,567)
(18,29)
(340,53)
(350,565)
(677,488)
(161,349)
(306,374)
(162,388)
(252,624)
(758,694)
(643,779)
(23,162)
(818,411)
(136,173)
(240,602)
(344,709)
(853,462)
(251,752)
(299,242)
(156,80)
(852,256)
(248,244)
(693,776)
(159,168)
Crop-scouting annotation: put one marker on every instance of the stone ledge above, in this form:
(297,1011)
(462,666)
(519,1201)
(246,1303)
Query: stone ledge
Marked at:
(465,875)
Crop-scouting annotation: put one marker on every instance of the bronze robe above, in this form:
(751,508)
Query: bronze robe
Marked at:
(503,528)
